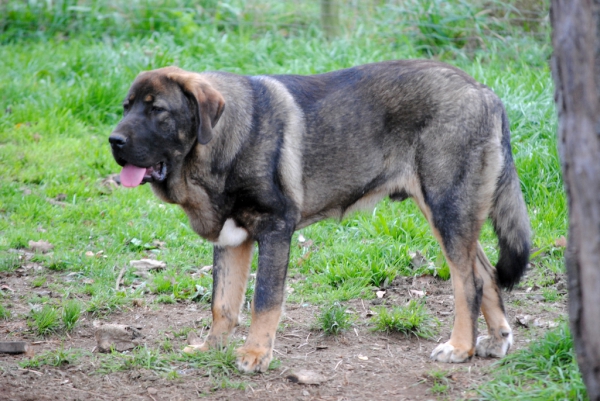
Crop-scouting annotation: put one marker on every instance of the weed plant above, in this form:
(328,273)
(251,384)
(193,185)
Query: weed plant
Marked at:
(70,314)
(54,358)
(45,320)
(334,319)
(412,319)
(38,281)
(4,313)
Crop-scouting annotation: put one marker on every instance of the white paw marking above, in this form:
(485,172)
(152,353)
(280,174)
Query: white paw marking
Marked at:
(231,234)
(447,353)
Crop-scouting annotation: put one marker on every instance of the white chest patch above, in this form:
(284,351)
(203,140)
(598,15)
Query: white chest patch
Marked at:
(231,234)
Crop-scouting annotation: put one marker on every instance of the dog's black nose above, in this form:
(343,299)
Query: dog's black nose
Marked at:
(117,140)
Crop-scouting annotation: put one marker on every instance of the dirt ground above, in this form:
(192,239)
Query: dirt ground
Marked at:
(357,365)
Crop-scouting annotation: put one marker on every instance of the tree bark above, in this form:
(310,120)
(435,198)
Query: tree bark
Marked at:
(576,71)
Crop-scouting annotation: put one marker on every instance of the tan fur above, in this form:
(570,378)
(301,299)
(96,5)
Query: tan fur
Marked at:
(291,160)
(257,351)
(499,337)
(228,296)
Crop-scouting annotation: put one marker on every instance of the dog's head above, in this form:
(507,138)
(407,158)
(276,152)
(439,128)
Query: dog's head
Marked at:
(164,114)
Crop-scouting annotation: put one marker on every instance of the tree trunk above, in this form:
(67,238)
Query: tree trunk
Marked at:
(576,71)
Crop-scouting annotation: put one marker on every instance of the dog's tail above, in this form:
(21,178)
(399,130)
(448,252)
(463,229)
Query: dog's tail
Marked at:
(510,219)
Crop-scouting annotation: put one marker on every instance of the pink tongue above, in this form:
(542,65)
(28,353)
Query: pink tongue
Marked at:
(132,176)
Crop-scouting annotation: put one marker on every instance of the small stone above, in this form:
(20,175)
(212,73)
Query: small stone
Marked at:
(306,377)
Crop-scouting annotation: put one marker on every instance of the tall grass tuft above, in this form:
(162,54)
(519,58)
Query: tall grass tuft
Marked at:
(334,319)
(45,320)
(412,319)
(70,314)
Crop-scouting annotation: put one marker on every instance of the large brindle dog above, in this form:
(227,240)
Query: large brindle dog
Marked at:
(254,158)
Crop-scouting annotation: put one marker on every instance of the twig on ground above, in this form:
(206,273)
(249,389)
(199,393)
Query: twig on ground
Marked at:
(120,277)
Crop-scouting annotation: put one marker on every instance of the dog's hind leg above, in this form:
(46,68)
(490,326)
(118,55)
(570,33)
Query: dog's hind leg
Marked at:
(499,338)
(231,267)
(457,236)
(468,288)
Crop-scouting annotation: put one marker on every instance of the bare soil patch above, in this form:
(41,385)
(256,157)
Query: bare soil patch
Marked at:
(358,365)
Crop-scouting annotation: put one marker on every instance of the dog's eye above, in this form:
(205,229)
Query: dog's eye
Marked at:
(126,106)
(156,109)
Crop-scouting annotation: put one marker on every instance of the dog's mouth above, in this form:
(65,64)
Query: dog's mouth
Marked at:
(132,176)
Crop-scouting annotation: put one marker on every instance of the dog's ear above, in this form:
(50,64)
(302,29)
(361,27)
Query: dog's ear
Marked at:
(209,101)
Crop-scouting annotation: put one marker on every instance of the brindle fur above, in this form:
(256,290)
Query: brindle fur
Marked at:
(272,154)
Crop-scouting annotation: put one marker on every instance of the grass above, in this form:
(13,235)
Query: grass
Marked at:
(45,320)
(334,319)
(4,313)
(440,382)
(70,314)
(411,319)
(546,370)
(55,358)
(56,113)
(217,365)
(39,281)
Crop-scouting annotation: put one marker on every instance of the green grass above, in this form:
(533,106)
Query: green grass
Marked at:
(334,319)
(218,365)
(71,313)
(4,313)
(440,382)
(45,320)
(411,319)
(55,358)
(546,370)
(56,114)
(39,281)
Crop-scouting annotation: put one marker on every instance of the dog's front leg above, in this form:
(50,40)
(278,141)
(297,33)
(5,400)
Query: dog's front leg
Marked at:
(231,266)
(273,256)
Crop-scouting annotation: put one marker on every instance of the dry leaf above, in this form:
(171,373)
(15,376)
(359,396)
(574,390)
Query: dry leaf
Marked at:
(6,287)
(158,244)
(561,242)
(523,320)
(40,246)
(111,182)
(539,323)
(418,260)
(416,293)
(370,313)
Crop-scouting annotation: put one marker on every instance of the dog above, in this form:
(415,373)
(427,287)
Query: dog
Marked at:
(251,159)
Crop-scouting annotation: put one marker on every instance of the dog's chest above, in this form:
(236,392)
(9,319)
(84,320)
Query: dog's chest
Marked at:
(231,234)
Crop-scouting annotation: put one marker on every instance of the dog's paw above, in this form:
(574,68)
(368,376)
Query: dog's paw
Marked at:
(494,346)
(448,353)
(254,359)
